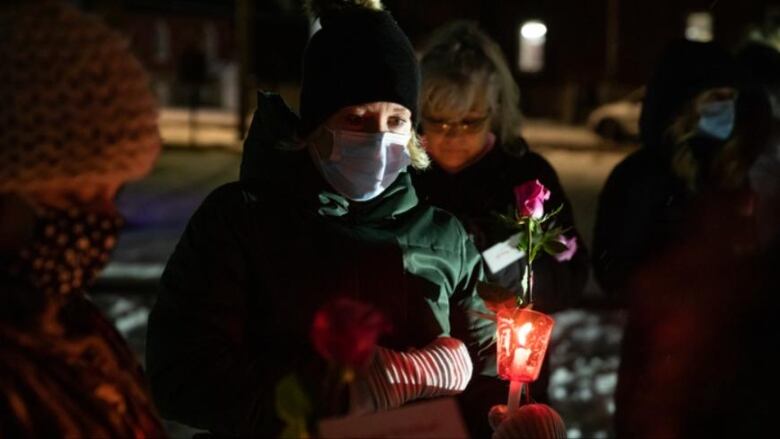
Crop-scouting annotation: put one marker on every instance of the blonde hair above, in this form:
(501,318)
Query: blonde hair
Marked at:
(463,68)
(420,159)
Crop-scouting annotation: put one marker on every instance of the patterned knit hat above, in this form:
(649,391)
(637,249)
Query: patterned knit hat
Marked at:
(75,106)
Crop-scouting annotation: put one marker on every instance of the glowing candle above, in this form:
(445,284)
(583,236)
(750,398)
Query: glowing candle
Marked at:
(523,335)
(520,360)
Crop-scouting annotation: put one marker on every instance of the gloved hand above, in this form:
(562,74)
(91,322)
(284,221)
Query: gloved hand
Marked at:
(530,421)
(394,378)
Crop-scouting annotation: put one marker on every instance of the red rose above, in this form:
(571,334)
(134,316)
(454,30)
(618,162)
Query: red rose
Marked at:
(345,331)
(530,197)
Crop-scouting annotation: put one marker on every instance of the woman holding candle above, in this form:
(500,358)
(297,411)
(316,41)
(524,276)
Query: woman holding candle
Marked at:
(324,208)
(470,123)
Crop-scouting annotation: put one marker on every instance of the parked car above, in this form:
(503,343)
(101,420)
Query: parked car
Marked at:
(618,121)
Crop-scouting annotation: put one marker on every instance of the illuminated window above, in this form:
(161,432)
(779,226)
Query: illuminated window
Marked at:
(532,36)
(699,27)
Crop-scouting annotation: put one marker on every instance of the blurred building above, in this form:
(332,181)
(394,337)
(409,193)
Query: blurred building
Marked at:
(594,50)
(575,54)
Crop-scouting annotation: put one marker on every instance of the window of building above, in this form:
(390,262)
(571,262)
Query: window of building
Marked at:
(699,27)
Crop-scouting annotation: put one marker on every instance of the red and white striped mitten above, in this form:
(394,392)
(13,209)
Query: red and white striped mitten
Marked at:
(395,378)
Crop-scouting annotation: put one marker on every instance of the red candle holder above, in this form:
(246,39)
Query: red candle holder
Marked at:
(523,336)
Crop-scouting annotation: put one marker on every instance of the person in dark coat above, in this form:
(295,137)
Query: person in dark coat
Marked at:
(676,242)
(324,208)
(471,122)
(700,131)
(65,371)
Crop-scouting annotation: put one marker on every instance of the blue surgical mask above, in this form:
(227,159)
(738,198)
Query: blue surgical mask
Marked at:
(717,119)
(362,165)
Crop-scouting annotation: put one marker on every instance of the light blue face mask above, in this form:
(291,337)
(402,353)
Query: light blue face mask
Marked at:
(362,165)
(717,119)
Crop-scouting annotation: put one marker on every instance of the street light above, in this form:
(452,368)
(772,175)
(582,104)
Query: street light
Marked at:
(533,30)
(532,35)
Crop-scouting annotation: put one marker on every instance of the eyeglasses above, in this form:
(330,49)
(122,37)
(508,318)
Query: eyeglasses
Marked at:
(463,126)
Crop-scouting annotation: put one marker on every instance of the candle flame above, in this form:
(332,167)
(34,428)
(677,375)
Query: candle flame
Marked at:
(522,333)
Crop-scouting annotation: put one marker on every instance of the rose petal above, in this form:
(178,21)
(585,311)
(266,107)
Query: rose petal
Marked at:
(571,248)
(530,197)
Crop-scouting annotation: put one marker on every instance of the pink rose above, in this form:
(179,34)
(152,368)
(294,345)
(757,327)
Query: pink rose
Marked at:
(530,197)
(571,248)
(345,332)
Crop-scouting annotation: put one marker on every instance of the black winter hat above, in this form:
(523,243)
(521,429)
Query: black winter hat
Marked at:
(686,69)
(359,56)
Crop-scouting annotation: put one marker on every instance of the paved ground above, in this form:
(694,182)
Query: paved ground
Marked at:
(586,341)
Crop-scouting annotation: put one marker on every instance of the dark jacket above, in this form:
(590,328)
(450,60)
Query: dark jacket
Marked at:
(697,346)
(680,254)
(640,210)
(261,255)
(477,193)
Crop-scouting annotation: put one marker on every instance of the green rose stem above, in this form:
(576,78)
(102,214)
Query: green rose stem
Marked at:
(516,387)
(338,378)
(528,288)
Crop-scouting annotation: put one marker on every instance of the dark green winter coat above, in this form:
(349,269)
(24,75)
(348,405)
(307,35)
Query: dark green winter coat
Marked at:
(261,255)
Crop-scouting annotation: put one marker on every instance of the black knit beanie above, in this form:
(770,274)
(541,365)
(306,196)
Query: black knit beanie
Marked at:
(359,56)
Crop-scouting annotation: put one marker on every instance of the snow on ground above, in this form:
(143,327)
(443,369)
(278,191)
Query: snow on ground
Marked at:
(584,359)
